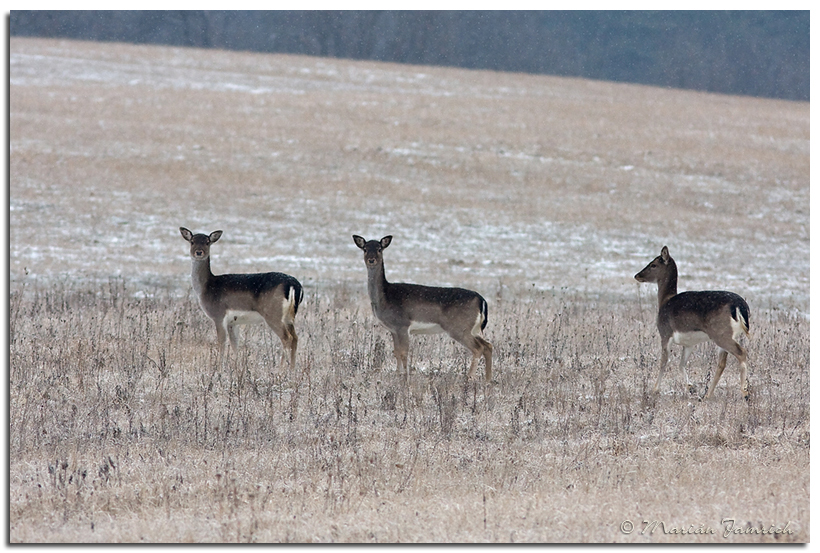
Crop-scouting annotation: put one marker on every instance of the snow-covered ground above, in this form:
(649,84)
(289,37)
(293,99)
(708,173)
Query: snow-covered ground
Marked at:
(502,183)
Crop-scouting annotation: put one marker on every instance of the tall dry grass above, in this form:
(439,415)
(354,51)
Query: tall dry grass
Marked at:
(125,427)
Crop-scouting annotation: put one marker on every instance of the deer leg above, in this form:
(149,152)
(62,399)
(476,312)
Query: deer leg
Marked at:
(479,347)
(286,346)
(488,358)
(476,351)
(287,335)
(482,348)
(664,359)
(232,335)
(293,342)
(744,384)
(221,335)
(401,347)
(683,359)
(221,339)
(282,326)
(718,373)
(727,345)
(740,353)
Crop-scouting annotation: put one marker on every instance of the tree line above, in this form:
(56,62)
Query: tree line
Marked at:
(757,53)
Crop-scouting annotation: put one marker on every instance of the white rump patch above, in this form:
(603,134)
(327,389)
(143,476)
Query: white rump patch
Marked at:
(476,331)
(424,328)
(286,303)
(236,317)
(689,339)
(738,328)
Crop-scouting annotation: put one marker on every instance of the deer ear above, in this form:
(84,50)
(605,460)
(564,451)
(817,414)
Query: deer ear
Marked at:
(186,234)
(359,241)
(665,254)
(214,236)
(386,241)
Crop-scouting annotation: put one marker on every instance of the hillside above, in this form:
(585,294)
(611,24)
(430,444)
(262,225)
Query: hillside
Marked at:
(514,180)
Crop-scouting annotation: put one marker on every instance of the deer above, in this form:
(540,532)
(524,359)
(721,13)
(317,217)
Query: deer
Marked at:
(231,300)
(691,318)
(406,309)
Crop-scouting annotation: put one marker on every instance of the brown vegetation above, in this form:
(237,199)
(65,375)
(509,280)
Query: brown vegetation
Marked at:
(545,195)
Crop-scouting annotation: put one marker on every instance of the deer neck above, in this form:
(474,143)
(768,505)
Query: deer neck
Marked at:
(376,284)
(668,285)
(201,274)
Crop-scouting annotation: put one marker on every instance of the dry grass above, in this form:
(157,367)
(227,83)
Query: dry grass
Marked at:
(546,195)
(124,428)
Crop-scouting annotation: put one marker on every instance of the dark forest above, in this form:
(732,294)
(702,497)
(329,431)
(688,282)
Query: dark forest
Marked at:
(756,53)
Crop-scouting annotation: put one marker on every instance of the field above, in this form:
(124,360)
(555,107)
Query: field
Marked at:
(546,195)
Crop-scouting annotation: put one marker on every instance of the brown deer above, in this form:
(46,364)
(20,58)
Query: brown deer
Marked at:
(239,299)
(690,318)
(406,309)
